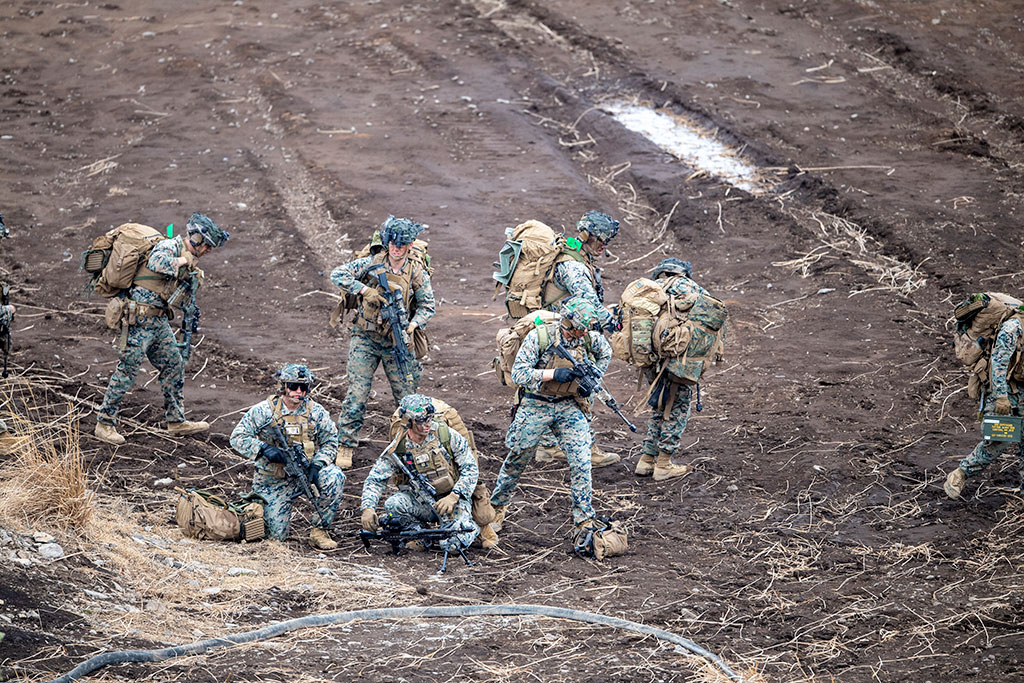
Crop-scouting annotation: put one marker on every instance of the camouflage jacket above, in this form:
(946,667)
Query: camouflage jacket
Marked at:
(161,260)
(348,277)
(530,360)
(1002,353)
(574,278)
(248,435)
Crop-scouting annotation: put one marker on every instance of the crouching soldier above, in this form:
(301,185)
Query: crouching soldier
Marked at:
(432,452)
(307,426)
(552,402)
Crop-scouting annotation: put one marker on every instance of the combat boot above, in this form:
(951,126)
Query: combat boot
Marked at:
(499,517)
(187,427)
(645,465)
(344,457)
(549,454)
(955,483)
(319,538)
(664,468)
(488,539)
(9,443)
(599,458)
(108,433)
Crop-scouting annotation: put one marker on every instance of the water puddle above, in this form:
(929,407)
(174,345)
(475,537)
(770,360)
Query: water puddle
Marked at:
(689,142)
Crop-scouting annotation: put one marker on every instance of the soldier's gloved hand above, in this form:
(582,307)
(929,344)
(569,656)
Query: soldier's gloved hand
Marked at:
(372,296)
(410,329)
(313,472)
(565,375)
(1003,406)
(446,505)
(272,453)
(369,520)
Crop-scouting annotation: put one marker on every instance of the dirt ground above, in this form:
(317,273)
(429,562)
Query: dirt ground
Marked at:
(812,540)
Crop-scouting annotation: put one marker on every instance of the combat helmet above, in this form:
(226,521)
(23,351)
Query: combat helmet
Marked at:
(579,312)
(200,224)
(293,373)
(599,225)
(672,265)
(416,408)
(401,231)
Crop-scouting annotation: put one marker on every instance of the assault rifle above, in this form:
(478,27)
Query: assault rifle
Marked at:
(5,331)
(394,532)
(189,310)
(296,466)
(589,379)
(393,312)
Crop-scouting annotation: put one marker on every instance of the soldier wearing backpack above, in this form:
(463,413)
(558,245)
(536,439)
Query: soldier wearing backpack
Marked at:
(306,424)
(443,458)
(997,373)
(372,343)
(552,403)
(146,330)
(8,441)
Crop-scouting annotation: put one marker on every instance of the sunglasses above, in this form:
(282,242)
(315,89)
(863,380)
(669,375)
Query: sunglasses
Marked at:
(296,386)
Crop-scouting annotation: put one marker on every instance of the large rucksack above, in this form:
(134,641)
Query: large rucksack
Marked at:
(527,267)
(207,517)
(683,332)
(509,339)
(978,319)
(117,255)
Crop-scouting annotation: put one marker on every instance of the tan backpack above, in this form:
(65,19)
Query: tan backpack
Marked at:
(509,339)
(527,261)
(116,256)
(640,306)
(978,319)
(207,517)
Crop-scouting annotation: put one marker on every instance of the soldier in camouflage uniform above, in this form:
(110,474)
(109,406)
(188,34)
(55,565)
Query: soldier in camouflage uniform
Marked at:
(1002,398)
(576,274)
(306,423)
(665,427)
(552,403)
(443,457)
(8,441)
(170,262)
(371,343)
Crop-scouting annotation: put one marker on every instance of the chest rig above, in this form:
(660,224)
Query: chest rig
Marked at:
(297,427)
(158,283)
(549,335)
(434,460)
(407,281)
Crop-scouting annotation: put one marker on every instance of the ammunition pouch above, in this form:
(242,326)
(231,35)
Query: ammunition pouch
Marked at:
(114,312)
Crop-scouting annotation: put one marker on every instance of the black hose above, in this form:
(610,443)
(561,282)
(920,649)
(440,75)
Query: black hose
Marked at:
(125,656)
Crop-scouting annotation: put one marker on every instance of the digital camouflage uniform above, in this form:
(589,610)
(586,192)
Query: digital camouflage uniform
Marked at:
(6,315)
(404,504)
(368,349)
(1003,349)
(151,337)
(561,416)
(269,480)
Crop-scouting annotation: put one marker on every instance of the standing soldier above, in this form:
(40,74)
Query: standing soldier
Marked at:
(171,263)
(8,441)
(292,415)
(444,459)
(372,341)
(553,403)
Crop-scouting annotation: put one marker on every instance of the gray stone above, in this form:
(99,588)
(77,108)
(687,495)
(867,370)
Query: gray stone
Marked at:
(51,551)
(242,571)
(42,537)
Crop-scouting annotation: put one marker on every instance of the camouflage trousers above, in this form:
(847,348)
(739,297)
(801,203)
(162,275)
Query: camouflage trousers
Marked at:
(664,434)
(987,451)
(410,512)
(150,338)
(571,429)
(367,350)
(280,492)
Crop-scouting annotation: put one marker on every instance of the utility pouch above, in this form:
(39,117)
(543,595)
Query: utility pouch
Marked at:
(133,313)
(114,313)
(443,484)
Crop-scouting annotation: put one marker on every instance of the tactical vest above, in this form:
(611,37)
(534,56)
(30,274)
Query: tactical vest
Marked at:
(436,463)
(552,293)
(158,283)
(548,335)
(297,427)
(368,317)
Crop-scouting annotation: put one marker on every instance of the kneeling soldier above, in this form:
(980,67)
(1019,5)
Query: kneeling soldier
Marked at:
(440,455)
(292,415)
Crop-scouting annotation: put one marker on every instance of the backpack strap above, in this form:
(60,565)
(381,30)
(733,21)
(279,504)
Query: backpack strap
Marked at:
(444,434)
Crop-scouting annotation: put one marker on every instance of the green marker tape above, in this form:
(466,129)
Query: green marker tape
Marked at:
(170,231)
(573,243)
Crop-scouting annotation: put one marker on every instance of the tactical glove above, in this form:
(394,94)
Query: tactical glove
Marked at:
(272,453)
(369,520)
(1003,406)
(313,472)
(565,375)
(372,297)
(446,505)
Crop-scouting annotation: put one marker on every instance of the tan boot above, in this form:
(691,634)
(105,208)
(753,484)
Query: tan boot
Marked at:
(319,538)
(108,433)
(645,465)
(664,468)
(599,458)
(499,517)
(187,427)
(488,539)
(955,483)
(9,443)
(549,454)
(344,457)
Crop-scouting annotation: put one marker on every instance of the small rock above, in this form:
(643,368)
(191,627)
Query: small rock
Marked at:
(51,551)
(43,537)
(325,571)
(732,487)
(21,561)
(825,290)
(155,606)
(96,595)
(242,571)
(212,590)
(164,483)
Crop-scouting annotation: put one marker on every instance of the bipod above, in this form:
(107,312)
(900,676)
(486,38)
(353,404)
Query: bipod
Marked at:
(444,562)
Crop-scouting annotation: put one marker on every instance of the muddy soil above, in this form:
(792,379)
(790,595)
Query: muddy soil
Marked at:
(812,540)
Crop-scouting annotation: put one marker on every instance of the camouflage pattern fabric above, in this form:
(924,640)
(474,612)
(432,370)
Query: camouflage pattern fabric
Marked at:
(348,277)
(409,510)
(161,260)
(280,492)
(665,435)
(6,315)
(150,338)
(574,278)
(1002,352)
(367,350)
